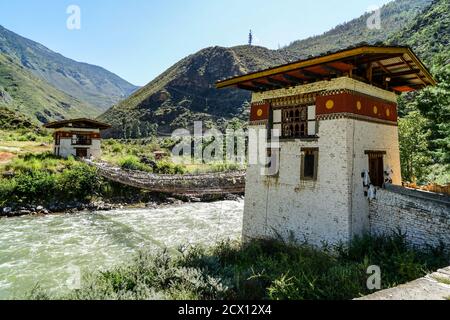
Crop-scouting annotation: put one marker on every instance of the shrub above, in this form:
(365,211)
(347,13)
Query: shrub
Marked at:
(79,182)
(34,186)
(117,148)
(44,178)
(132,162)
(166,167)
(7,188)
(225,167)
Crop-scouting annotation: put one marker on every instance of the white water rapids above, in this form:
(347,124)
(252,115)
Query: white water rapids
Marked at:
(45,250)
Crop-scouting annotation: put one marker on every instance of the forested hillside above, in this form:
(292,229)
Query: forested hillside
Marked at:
(425,115)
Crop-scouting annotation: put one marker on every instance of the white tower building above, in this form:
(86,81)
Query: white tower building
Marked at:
(337,119)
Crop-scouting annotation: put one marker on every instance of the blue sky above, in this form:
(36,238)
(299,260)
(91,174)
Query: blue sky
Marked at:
(139,39)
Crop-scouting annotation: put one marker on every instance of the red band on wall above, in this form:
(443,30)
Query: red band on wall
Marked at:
(356,104)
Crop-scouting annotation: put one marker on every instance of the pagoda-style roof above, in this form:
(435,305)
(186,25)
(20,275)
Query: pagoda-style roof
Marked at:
(81,123)
(392,68)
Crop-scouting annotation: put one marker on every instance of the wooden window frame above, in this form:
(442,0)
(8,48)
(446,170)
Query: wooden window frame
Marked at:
(376,154)
(315,152)
(81,139)
(57,138)
(300,118)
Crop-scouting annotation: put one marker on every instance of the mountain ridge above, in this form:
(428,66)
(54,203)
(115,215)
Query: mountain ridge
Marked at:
(24,92)
(186,93)
(394,15)
(89,83)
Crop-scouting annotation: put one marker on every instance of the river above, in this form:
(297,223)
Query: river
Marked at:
(45,250)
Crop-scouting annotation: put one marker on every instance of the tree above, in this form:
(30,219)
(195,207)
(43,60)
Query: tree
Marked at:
(414,153)
(434,104)
(136,130)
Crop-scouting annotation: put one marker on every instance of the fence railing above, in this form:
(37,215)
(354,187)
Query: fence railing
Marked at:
(435,188)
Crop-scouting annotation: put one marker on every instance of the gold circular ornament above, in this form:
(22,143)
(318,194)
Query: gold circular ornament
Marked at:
(388,112)
(330,104)
(359,105)
(259,113)
(375,110)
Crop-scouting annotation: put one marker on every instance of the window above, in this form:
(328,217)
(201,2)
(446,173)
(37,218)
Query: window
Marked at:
(81,140)
(376,167)
(310,162)
(295,122)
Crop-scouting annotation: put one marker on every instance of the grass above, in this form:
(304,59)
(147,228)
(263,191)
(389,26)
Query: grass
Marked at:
(135,154)
(24,135)
(115,150)
(14,143)
(442,280)
(260,270)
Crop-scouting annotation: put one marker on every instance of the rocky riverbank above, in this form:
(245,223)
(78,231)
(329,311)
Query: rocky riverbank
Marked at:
(151,202)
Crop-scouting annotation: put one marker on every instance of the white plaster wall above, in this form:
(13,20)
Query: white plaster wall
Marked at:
(313,211)
(70,129)
(369,136)
(95,150)
(66,148)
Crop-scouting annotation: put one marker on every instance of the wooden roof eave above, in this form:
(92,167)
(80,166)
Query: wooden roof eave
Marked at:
(64,123)
(424,69)
(298,66)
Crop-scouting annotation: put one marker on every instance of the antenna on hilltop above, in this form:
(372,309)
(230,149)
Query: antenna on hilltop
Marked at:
(250,38)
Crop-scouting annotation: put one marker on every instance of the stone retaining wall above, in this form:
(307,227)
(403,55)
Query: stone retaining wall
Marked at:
(423,216)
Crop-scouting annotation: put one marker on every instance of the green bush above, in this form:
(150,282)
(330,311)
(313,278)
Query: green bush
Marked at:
(29,136)
(166,167)
(79,182)
(132,162)
(7,187)
(37,162)
(117,148)
(42,178)
(225,167)
(34,186)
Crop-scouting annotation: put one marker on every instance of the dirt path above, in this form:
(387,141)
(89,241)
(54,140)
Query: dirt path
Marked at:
(5,157)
